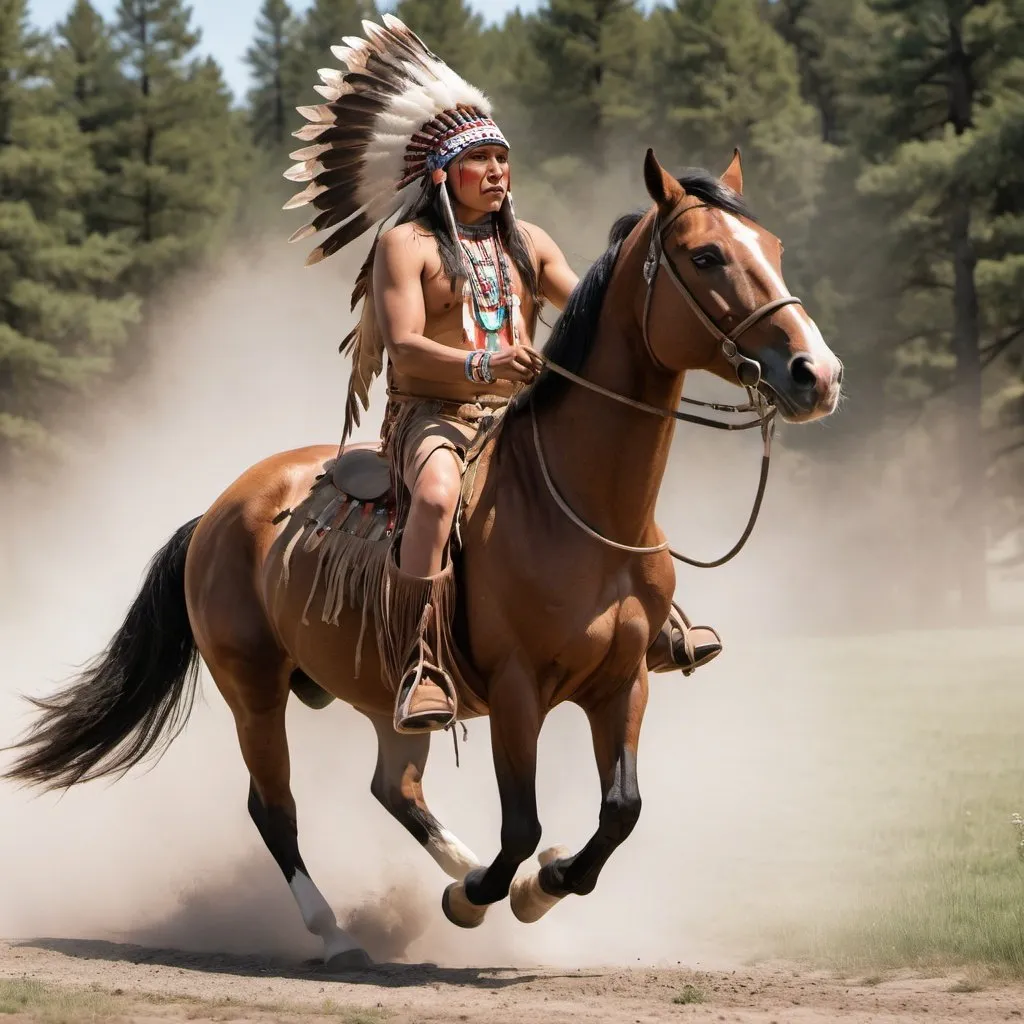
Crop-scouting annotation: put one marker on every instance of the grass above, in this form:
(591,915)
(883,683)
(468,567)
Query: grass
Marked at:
(54,1004)
(929,789)
(689,994)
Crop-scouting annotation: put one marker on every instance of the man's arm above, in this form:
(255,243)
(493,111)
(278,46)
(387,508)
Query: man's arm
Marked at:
(556,278)
(398,291)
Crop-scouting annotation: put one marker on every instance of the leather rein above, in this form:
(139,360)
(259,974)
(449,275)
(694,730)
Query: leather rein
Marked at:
(748,373)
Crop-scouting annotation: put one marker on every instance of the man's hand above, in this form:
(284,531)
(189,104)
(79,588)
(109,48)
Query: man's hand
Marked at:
(520,363)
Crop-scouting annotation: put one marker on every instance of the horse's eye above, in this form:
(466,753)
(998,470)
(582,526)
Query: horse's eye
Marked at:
(707,259)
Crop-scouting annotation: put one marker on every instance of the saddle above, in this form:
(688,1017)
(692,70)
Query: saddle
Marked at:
(362,473)
(355,495)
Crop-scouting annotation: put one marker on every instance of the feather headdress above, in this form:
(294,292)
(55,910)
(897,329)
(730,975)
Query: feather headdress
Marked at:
(392,122)
(397,115)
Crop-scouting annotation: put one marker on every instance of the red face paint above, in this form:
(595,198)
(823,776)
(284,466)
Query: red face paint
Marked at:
(476,174)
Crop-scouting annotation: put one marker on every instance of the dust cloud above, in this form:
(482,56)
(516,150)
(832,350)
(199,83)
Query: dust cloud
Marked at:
(737,764)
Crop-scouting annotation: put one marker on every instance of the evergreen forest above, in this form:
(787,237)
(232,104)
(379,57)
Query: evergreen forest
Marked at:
(883,140)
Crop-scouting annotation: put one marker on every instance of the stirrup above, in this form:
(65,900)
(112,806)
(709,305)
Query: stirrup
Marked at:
(426,700)
(680,647)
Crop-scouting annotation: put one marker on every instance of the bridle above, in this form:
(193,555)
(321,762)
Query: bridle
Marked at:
(748,373)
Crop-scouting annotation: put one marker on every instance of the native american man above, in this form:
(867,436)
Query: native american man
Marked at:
(452,293)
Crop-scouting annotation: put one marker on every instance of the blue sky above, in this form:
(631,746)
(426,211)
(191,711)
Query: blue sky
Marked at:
(227,25)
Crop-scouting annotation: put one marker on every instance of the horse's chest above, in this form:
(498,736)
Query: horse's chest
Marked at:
(605,623)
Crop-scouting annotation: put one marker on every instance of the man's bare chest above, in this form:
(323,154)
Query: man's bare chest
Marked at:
(442,302)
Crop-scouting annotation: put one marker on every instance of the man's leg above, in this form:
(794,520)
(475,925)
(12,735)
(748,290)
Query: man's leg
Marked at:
(422,590)
(682,646)
(434,498)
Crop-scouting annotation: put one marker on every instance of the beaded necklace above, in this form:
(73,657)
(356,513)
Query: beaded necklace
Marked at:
(489,301)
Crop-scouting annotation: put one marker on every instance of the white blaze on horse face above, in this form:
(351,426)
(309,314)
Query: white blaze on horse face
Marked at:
(748,240)
(318,916)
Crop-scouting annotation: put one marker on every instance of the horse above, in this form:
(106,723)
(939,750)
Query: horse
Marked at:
(564,577)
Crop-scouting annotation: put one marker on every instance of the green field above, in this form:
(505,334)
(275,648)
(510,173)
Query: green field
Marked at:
(928,775)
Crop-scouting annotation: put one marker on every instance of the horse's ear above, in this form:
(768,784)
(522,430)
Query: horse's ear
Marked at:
(733,176)
(661,186)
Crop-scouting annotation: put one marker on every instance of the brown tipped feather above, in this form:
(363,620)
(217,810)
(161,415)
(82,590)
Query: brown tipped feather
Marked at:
(302,171)
(306,231)
(310,132)
(308,195)
(319,114)
(345,234)
(310,152)
(365,344)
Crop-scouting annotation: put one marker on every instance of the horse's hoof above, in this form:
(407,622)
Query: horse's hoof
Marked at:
(528,900)
(349,960)
(459,910)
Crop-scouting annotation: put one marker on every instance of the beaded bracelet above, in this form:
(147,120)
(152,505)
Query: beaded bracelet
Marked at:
(470,367)
(485,368)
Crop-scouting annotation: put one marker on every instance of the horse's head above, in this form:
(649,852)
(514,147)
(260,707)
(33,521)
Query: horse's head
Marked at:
(727,309)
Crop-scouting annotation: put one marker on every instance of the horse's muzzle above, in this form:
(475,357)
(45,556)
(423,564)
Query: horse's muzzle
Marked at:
(803,388)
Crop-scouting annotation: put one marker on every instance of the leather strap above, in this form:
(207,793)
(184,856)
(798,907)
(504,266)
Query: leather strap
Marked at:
(748,371)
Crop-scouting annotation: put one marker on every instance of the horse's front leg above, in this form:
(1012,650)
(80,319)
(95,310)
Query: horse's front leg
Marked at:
(615,726)
(516,718)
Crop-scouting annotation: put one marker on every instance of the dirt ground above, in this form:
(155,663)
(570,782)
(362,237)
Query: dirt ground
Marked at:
(64,980)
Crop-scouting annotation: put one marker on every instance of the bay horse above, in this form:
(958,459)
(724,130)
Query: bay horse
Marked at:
(564,575)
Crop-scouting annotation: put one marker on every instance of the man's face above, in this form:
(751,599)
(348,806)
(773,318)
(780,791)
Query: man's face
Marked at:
(481,178)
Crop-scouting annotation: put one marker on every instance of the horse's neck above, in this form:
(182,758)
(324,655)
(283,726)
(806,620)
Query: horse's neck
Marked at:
(608,459)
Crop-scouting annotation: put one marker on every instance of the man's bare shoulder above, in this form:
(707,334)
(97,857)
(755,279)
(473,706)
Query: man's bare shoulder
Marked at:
(408,236)
(541,242)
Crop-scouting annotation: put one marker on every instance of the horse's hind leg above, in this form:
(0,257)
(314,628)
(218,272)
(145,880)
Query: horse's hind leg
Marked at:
(398,785)
(258,699)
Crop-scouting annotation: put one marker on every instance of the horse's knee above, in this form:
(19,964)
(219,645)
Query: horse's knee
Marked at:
(619,814)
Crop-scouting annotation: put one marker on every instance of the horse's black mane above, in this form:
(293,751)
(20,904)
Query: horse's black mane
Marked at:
(574,332)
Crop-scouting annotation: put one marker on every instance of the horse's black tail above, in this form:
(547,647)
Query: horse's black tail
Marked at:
(137,694)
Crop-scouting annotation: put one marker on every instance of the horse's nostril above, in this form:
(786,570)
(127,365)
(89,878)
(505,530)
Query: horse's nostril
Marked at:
(801,369)
(839,375)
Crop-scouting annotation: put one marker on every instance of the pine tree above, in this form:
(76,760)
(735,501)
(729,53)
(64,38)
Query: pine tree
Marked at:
(325,24)
(59,327)
(587,96)
(273,61)
(450,28)
(84,69)
(943,91)
(832,39)
(90,86)
(180,147)
(723,77)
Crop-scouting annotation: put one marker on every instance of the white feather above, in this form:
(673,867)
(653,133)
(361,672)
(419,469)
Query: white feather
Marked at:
(309,132)
(304,171)
(374,32)
(310,152)
(332,77)
(320,114)
(304,232)
(306,196)
(428,87)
